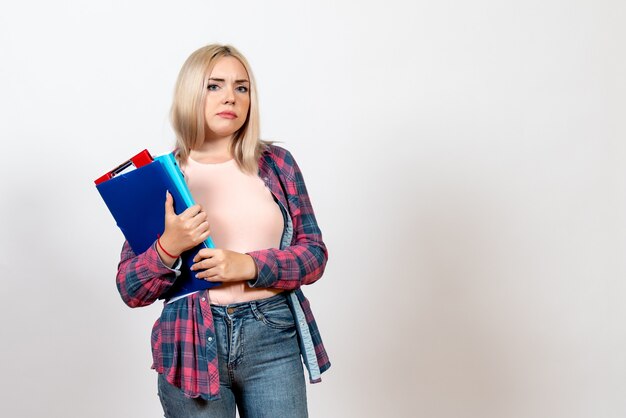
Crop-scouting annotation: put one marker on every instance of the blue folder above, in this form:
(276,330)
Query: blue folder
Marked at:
(137,202)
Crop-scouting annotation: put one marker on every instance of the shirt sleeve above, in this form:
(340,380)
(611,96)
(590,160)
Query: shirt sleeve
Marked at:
(142,278)
(302,262)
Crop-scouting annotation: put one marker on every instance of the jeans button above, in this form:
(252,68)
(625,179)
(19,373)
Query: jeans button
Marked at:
(230,310)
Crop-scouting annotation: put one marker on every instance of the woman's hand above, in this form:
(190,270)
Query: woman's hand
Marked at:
(182,232)
(223,265)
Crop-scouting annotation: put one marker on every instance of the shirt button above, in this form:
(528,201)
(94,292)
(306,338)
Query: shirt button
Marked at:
(203,299)
(210,339)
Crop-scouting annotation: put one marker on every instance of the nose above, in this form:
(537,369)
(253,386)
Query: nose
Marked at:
(229,96)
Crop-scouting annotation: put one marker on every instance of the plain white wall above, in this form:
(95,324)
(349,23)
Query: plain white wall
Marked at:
(466,161)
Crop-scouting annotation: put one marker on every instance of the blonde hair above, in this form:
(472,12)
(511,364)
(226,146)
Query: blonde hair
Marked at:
(187,113)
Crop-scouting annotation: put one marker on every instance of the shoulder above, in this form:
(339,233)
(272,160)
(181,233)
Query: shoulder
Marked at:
(276,152)
(282,158)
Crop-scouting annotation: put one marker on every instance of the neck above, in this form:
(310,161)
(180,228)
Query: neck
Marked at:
(213,150)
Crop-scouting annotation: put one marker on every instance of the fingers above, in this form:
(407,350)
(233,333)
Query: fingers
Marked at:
(186,230)
(210,264)
(203,231)
(195,221)
(192,212)
(204,235)
(169,204)
(189,213)
(200,233)
(204,254)
(219,265)
(212,273)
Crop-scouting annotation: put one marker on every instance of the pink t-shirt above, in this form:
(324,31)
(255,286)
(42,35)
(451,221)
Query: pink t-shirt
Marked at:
(243,217)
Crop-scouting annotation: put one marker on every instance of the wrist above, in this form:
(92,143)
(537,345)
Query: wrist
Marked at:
(168,246)
(165,259)
(251,268)
(168,258)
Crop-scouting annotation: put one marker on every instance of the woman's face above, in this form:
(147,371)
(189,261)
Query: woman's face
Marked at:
(227,99)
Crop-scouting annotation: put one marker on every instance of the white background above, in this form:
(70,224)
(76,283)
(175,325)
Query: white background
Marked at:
(466,161)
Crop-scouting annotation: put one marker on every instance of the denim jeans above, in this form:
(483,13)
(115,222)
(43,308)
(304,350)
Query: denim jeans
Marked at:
(261,373)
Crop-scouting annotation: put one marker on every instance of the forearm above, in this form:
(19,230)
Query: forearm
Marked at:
(290,268)
(142,279)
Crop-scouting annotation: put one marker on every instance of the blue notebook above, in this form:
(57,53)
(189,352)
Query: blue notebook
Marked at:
(137,202)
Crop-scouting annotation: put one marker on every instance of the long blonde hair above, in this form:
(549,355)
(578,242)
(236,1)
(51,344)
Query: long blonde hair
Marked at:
(187,113)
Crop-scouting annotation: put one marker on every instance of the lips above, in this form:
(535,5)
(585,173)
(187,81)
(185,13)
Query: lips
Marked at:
(227,115)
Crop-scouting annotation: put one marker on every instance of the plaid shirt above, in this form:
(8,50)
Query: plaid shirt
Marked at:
(184,347)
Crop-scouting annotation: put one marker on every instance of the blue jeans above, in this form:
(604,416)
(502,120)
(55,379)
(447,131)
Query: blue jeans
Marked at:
(261,373)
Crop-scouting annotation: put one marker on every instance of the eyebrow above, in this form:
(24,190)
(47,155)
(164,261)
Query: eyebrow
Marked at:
(222,80)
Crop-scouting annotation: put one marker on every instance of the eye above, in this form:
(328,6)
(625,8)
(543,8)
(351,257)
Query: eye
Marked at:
(242,89)
(212,87)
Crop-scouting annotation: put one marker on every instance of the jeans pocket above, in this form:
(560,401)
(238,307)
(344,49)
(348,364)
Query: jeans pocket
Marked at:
(277,316)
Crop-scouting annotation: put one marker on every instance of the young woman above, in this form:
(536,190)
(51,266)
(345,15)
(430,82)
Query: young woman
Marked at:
(240,344)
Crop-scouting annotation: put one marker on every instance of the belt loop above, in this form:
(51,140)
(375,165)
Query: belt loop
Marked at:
(255,311)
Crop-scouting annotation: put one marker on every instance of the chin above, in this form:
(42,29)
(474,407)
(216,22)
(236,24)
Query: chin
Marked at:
(230,131)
